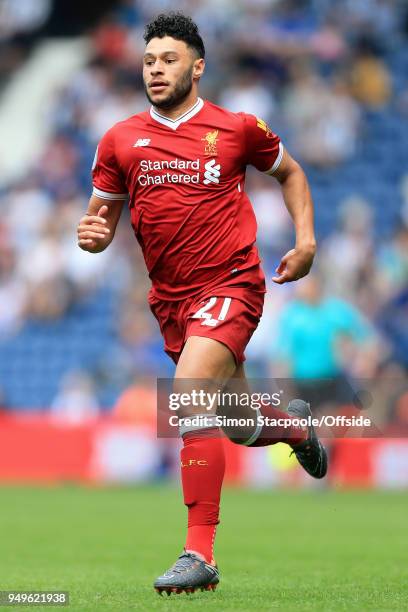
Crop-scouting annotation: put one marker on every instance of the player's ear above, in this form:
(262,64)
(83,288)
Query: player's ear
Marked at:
(198,68)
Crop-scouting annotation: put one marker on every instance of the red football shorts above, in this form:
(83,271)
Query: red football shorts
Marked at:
(229,314)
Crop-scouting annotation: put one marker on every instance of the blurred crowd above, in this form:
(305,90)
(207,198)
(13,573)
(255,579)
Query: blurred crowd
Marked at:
(315,70)
(19,23)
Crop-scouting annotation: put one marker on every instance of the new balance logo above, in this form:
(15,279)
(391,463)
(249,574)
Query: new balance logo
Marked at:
(142,142)
(212,172)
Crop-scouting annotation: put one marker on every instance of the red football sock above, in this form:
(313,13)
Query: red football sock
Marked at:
(202,473)
(271,434)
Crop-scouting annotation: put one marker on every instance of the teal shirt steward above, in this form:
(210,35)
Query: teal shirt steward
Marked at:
(308,335)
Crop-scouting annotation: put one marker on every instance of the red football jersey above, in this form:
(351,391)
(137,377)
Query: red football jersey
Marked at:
(185,180)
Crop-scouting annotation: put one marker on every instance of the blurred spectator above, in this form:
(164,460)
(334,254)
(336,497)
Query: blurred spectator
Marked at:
(138,333)
(321,339)
(19,22)
(349,250)
(76,401)
(370,80)
(27,210)
(392,264)
(393,322)
(397,416)
(325,118)
(13,292)
(22,16)
(328,43)
(138,403)
(248,94)
(109,39)
(404,193)
(274,223)
(373,17)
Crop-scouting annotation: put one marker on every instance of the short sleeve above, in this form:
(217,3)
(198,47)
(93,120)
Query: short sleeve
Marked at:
(107,179)
(264,149)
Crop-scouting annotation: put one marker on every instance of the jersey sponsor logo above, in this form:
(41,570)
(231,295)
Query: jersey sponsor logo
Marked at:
(173,164)
(150,175)
(151,172)
(142,142)
(265,127)
(212,172)
(210,139)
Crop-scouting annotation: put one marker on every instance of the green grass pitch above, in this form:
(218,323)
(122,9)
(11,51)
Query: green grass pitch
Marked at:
(319,550)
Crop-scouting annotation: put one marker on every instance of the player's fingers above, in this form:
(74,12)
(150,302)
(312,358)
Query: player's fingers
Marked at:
(281,267)
(288,255)
(93,228)
(85,243)
(92,219)
(91,234)
(286,277)
(285,259)
(102,211)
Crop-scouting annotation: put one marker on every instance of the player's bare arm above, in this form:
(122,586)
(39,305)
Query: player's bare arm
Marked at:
(296,194)
(96,228)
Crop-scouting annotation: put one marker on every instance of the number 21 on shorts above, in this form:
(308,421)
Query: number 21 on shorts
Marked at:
(208,318)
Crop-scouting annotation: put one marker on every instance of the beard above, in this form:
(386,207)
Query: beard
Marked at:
(181,91)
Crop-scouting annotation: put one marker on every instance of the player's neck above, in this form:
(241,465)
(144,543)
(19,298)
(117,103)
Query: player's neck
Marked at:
(179,110)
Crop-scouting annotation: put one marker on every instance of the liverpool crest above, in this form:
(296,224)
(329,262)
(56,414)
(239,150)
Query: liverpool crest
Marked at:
(210,139)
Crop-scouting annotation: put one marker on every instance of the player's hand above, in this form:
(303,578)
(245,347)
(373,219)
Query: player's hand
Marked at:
(294,265)
(93,233)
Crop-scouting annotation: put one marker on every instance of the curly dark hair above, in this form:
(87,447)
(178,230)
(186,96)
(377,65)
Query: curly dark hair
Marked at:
(177,26)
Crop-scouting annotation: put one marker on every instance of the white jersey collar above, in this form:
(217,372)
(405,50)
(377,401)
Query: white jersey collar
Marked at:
(174,123)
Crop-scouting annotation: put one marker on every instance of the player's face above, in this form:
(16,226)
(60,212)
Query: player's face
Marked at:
(169,70)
